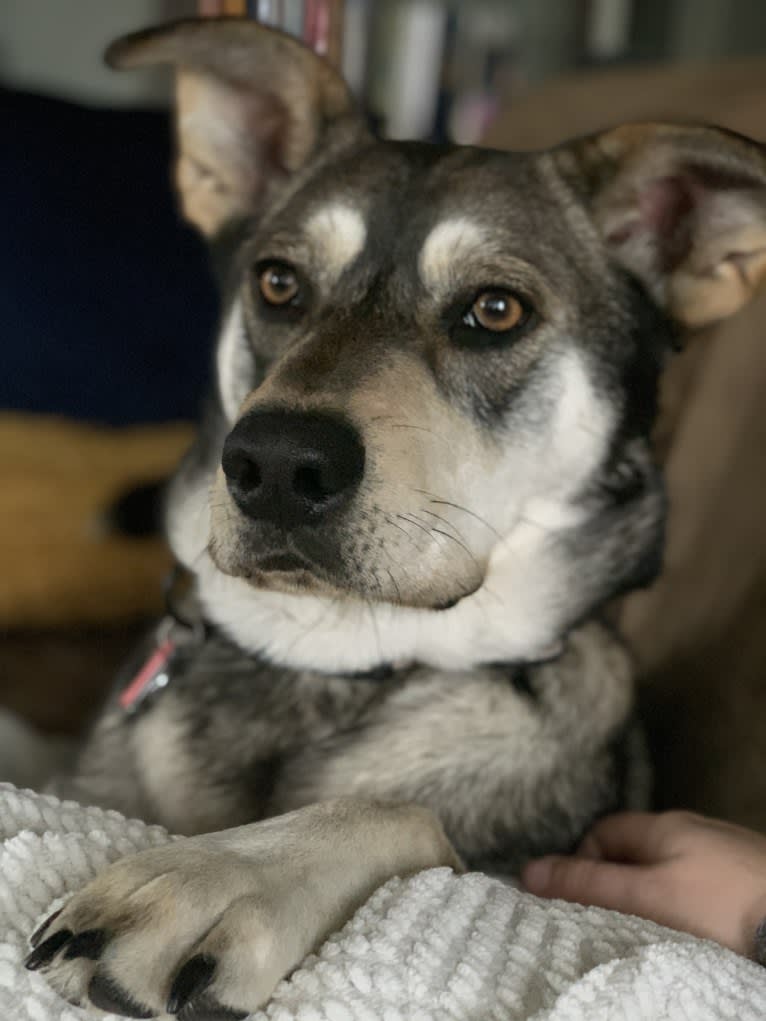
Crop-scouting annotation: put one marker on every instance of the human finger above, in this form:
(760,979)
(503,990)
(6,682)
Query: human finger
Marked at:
(625,888)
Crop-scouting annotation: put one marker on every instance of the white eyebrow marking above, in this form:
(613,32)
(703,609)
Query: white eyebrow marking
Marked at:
(450,243)
(340,233)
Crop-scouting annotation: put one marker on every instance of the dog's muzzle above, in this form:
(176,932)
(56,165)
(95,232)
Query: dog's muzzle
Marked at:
(292,468)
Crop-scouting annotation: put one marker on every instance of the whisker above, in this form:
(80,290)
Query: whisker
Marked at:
(391,521)
(536,524)
(412,521)
(376,632)
(420,428)
(446,521)
(320,619)
(448,503)
(447,535)
(409,425)
(196,561)
(462,545)
(394,582)
(492,594)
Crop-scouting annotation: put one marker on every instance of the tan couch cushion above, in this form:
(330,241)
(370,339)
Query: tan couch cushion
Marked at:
(56,478)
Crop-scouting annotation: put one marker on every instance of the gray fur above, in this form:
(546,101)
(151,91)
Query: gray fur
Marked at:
(510,770)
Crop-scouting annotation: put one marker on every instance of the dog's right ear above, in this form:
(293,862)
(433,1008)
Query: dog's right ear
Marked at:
(251,106)
(682,207)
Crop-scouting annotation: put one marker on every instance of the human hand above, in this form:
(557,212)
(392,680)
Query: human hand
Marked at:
(682,870)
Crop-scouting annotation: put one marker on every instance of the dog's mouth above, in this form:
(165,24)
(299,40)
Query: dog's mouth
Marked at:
(282,563)
(280,567)
(284,568)
(295,580)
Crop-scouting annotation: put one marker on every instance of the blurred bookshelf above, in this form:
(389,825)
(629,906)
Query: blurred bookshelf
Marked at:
(427,69)
(433,69)
(438,69)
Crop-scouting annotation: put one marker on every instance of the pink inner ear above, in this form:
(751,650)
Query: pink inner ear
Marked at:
(664,202)
(665,208)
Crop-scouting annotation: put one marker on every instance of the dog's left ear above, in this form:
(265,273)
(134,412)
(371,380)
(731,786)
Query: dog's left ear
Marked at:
(252,105)
(683,208)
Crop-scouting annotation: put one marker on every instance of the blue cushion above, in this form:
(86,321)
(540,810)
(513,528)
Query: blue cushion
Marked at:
(107,305)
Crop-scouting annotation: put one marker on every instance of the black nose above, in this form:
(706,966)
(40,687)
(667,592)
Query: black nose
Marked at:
(292,467)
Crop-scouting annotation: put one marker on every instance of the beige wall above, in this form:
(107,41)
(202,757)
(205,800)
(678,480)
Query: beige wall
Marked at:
(55,46)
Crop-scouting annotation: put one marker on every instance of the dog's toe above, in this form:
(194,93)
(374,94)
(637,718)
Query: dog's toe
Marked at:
(44,953)
(235,966)
(107,994)
(209,1010)
(88,944)
(193,978)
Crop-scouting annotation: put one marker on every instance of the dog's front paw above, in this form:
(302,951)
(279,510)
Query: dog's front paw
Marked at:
(187,923)
(205,928)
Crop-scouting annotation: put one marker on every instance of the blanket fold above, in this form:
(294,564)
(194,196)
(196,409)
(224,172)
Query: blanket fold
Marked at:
(434,947)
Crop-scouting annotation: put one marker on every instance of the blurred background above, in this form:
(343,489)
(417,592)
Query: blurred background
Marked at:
(108,308)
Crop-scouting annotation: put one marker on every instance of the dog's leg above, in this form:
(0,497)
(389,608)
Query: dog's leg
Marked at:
(218,920)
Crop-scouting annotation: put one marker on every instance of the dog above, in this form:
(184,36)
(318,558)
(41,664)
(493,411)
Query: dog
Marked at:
(423,473)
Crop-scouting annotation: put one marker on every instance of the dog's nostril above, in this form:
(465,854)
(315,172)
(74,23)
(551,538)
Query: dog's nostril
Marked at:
(251,477)
(243,471)
(308,482)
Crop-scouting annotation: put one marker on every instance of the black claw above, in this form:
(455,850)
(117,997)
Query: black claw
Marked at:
(46,951)
(194,976)
(109,995)
(37,935)
(208,1010)
(89,944)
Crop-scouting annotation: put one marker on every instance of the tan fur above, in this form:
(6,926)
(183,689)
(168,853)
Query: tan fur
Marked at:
(711,290)
(211,122)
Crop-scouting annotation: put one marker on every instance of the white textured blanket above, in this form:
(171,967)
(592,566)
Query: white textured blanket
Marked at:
(436,946)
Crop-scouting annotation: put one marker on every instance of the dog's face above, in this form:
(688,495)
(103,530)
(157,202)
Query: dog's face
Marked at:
(438,368)
(419,369)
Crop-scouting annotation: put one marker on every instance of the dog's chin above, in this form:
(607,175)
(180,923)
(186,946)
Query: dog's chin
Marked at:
(296,582)
(290,572)
(277,571)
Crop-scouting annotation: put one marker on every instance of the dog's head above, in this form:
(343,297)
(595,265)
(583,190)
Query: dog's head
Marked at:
(438,367)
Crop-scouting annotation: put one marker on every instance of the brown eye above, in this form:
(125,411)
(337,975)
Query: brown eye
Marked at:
(278,284)
(495,318)
(497,311)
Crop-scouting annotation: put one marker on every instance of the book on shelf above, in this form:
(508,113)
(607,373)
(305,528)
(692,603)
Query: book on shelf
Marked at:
(319,23)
